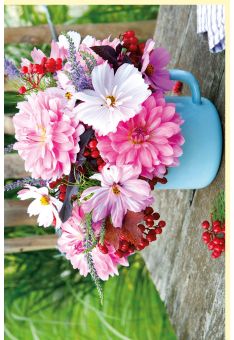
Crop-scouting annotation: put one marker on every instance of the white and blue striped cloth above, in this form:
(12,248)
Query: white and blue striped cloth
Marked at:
(210,19)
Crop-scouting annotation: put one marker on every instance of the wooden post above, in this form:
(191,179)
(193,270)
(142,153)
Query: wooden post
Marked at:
(15,213)
(14,166)
(189,282)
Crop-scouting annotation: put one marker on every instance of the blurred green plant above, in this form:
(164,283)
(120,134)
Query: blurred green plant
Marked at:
(218,208)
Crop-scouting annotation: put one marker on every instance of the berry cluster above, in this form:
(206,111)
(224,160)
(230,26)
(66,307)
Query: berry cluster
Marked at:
(152,182)
(35,72)
(61,187)
(214,237)
(131,43)
(177,88)
(151,227)
(91,151)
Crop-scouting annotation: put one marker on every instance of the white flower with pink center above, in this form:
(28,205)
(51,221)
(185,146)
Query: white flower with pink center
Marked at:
(72,243)
(151,140)
(48,134)
(115,98)
(121,190)
(45,206)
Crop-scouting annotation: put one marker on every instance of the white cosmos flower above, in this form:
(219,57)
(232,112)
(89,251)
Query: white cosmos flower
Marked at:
(43,205)
(70,91)
(115,98)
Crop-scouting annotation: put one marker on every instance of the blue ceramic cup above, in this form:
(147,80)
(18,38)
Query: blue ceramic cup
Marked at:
(202,150)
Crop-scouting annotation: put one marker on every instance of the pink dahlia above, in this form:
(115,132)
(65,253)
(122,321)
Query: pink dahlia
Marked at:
(47,134)
(120,191)
(154,62)
(150,140)
(72,243)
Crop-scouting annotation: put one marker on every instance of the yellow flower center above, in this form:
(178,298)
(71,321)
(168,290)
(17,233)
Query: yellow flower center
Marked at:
(115,189)
(149,70)
(110,100)
(42,132)
(68,95)
(45,200)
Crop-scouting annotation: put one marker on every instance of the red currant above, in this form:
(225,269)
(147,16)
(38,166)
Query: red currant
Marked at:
(205,225)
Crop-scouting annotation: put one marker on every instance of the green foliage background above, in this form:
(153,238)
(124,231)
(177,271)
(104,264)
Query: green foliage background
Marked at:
(44,297)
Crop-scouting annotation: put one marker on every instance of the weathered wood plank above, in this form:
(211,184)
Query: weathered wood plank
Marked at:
(37,35)
(15,213)
(14,166)
(23,244)
(189,282)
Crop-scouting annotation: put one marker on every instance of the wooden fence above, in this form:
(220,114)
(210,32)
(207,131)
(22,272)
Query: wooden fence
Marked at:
(15,211)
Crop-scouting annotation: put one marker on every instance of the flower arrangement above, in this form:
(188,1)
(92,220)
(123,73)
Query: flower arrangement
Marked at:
(96,134)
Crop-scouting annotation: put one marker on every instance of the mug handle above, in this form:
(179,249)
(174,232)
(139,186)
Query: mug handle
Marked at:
(190,80)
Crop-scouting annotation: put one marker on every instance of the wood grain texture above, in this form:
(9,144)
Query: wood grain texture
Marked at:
(37,35)
(189,282)
(33,243)
(15,213)
(14,166)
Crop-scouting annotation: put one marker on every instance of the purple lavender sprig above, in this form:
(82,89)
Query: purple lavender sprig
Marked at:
(21,183)
(10,70)
(78,75)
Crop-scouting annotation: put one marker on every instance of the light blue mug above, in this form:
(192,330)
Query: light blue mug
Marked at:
(202,150)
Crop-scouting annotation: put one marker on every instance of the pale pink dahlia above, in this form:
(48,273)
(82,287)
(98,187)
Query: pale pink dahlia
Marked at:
(120,190)
(150,140)
(47,134)
(72,243)
(116,97)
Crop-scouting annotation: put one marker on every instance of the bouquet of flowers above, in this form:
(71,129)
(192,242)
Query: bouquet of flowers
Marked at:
(97,135)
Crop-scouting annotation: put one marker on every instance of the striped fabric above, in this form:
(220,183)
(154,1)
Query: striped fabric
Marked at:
(210,19)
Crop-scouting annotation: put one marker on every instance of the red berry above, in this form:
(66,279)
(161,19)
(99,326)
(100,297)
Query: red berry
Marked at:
(222,241)
(216,240)
(103,248)
(156,216)
(141,227)
(211,245)
(95,154)
(206,236)
(129,34)
(86,153)
(151,237)
(62,196)
(63,188)
(93,144)
(132,48)
(148,218)
(158,230)
(217,229)
(218,247)
(124,246)
(161,224)
(149,211)
(22,89)
(215,254)
(205,225)
(24,69)
(100,161)
(100,167)
(216,223)
(52,185)
(43,60)
(133,40)
(119,253)
(150,223)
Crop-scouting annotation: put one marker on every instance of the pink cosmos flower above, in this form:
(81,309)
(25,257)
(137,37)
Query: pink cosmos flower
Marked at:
(43,205)
(37,54)
(154,62)
(115,98)
(150,140)
(120,190)
(47,134)
(72,243)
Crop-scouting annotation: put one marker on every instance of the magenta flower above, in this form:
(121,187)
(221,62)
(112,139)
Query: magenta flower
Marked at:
(154,62)
(47,134)
(120,190)
(151,140)
(72,243)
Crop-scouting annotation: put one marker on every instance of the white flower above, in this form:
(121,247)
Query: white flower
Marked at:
(63,41)
(43,205)
(115,98)
(69,90)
